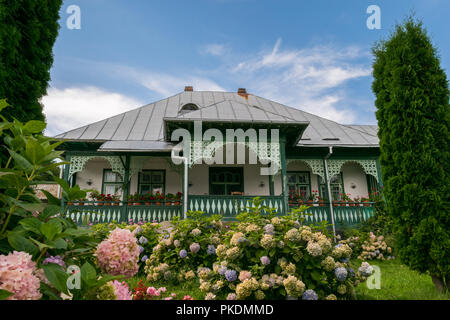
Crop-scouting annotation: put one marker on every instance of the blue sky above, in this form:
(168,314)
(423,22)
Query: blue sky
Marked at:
(312,55)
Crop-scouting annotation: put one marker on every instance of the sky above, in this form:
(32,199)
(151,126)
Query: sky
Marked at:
(311,55)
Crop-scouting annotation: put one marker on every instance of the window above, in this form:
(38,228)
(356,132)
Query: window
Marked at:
(225,180)
(372,184)
(188,108)
(112,182)
(152,181)
(299,182)
(336,187)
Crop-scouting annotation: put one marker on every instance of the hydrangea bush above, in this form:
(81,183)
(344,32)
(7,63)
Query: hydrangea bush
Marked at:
(18,275)
(185,246)
(119,253)
(146,234)
(368,246)
(268,257)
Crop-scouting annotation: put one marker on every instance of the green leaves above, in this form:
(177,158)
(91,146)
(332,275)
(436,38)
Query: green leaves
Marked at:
(51,229)
(20,243)
(34,126)
(31,224)
(5,294)
(57,276)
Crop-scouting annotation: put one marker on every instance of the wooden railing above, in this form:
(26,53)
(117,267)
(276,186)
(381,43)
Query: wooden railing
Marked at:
(102,211)
(230,206)
(345,214)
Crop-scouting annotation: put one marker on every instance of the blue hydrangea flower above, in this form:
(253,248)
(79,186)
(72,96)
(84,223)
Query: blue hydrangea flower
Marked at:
(265,260)
(352,272)
(309,295)
(340,273)
(222,270)
(231,275)
(183,254)
(141,249)
(377,252)
(211,249)
(144,258)
(338,245)
(143,240)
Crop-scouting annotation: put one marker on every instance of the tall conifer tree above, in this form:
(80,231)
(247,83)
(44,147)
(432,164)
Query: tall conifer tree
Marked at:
(412,100)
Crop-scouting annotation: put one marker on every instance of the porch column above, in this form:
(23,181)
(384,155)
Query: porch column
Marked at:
(65,177)
(283,173)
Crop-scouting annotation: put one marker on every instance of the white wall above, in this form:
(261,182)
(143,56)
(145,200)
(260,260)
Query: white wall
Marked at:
(199,177)
(354,175)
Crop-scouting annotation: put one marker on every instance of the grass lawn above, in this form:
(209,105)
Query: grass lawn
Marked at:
(398,282)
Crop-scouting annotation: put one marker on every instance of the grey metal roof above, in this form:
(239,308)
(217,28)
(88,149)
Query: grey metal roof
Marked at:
(142,128)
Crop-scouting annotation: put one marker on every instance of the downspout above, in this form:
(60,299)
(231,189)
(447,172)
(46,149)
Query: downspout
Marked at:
(330,152)
(185,180)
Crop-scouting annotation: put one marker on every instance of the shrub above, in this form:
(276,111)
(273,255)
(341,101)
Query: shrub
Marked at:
(269,257)
(368,246)
(18,276)
(146,234)
(119,253)
(185,246)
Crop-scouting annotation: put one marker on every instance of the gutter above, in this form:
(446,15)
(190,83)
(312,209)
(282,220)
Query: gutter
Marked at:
(330,152)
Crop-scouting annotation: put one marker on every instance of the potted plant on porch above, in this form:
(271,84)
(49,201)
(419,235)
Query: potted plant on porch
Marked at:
(159,198)
(365,202)
(170,197)
(116,200)
(147,198)
(178,198)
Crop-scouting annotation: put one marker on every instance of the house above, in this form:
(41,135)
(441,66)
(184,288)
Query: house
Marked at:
(130,155)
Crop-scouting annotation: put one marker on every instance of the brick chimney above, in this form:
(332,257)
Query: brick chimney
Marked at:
(243,93)
(188,88)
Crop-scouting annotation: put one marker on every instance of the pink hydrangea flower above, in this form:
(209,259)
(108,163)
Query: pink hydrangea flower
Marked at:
(17,275)
(119,253)
(188,297)
(162,289)
(151,291)
(121,289)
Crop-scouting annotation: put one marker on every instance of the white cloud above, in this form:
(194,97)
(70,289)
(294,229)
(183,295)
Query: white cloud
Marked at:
(214,49)
(70,108)
(166,84)
(311,79)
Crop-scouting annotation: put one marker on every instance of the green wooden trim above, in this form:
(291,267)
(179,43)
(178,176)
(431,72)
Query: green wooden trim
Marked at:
(126,185)
(271,185)
(65,177)
(283,172)
(150,170)
(380,180)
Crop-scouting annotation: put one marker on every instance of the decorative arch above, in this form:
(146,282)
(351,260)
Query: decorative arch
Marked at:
(368,166)
(265,151)
(316,165)
(77,163)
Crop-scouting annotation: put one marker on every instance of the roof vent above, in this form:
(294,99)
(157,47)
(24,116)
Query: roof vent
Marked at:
(188,88)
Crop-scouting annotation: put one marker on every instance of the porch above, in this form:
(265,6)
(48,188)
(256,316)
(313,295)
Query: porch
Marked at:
(128,176)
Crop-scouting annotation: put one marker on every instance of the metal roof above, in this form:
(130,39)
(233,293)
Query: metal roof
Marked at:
(143,128)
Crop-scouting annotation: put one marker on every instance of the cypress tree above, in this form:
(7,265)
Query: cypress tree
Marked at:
(28,30)
(413,113)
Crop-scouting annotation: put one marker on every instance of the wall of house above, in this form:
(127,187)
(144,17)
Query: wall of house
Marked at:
(199,180)
(174,181)
(353,175)
(93,172)
(355,181)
